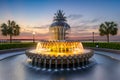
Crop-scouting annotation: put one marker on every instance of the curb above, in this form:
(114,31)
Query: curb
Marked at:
(105,50)
(108,56)
(12,50)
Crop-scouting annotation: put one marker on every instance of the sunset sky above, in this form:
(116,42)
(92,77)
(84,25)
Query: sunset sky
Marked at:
(84,16)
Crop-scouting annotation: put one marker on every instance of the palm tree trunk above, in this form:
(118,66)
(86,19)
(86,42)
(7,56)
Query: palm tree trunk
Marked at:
(108,38)
(10,38)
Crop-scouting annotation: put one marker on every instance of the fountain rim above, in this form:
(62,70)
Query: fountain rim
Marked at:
(90,54)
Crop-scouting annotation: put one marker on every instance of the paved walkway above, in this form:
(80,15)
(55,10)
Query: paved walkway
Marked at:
(109,54)
(3,56)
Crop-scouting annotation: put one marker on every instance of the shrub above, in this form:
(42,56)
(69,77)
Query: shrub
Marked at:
(112,45)
(16,45)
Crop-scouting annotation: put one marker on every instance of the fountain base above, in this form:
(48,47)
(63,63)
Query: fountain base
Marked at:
(59,62)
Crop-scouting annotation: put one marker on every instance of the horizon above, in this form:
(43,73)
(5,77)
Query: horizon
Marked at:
(84,17)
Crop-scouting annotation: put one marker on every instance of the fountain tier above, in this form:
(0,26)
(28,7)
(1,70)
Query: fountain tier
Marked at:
(56,48)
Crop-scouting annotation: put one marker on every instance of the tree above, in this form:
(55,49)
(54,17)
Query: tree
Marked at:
(10,29)
(108,28)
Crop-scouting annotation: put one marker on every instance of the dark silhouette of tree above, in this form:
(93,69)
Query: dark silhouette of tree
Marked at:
(108,28)
(10,29)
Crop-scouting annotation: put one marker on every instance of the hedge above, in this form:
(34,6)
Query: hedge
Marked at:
(15,45)
(112,45)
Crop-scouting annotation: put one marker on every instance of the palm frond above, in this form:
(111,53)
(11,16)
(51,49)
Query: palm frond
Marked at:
(4,29)
(11,28)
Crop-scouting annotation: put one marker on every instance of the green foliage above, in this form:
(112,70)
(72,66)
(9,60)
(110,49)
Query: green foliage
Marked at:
(16,45)
(108,28)
(10,29)
(112,45)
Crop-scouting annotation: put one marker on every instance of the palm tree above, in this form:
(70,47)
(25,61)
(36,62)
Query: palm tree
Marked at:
(108,28)
(11,29)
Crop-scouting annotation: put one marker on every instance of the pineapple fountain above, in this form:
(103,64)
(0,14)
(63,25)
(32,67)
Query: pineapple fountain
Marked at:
(59,52)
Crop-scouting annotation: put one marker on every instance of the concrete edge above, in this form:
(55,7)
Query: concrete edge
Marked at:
(105,50)
(9,56)
(12,50)
(108,56)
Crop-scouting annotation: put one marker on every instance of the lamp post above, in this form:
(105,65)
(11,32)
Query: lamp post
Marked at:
(93,36)
(33,37)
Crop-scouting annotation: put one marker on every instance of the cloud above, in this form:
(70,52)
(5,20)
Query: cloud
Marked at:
(85,27)
(75,16)
(38,30)
(95,20)
(41,27)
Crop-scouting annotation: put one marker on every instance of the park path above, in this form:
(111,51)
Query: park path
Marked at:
(9,54)
(109,54)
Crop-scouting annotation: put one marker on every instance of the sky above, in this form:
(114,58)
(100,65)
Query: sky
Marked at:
(84,16)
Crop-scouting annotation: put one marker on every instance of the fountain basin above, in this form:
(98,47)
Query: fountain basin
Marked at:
(59,61)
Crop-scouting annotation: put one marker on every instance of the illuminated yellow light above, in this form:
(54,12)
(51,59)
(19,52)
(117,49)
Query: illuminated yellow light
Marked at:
(59,48)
